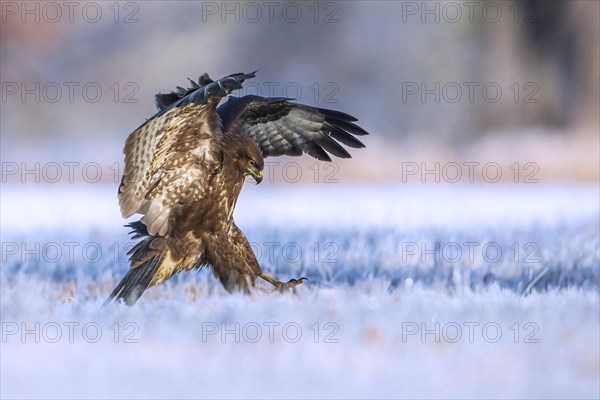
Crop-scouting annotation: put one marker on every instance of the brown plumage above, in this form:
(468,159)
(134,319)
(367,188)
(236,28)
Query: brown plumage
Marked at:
(185,168)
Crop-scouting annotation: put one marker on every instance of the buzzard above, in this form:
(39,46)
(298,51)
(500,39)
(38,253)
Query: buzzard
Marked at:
(185,167)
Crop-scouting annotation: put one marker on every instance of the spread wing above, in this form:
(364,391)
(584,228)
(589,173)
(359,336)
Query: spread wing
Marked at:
(169,158)
(167,163)
(280,127)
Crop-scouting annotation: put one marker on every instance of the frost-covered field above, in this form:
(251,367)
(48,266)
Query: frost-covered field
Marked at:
(415,291)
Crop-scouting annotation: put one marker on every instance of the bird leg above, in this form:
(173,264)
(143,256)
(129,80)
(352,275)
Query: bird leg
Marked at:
(281,286)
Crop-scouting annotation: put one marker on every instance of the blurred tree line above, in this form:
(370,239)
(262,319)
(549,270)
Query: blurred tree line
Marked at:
(366,58)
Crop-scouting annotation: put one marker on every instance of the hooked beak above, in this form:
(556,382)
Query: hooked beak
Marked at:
(258,176)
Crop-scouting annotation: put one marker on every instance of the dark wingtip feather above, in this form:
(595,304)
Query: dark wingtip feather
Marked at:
(317,152)
(344,137)
(139,229)
(200,91)
(332,146)
(203,80)
(343,121)
(347,126)
(342,116)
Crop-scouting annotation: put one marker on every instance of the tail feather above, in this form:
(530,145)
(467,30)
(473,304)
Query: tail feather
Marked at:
(136,281)
(145,262)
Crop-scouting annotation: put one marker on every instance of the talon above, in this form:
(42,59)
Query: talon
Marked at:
(281,286)
(291,284)
(296,282)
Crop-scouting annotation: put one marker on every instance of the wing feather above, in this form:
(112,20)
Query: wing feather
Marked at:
(280,127)
(344,137)
(167,162)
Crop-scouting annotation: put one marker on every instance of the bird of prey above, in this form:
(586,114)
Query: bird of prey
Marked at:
(185,167)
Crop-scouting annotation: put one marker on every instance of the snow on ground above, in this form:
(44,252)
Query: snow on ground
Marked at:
(415,291)
(401,206)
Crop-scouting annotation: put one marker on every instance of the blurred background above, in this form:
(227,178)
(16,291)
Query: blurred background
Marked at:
(499,97)
(501,82)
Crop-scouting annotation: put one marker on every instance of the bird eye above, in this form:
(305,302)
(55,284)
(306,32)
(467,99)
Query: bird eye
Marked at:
(252,163)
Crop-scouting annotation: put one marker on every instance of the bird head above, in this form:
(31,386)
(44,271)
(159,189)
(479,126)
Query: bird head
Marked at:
(255,170)
(250,159)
